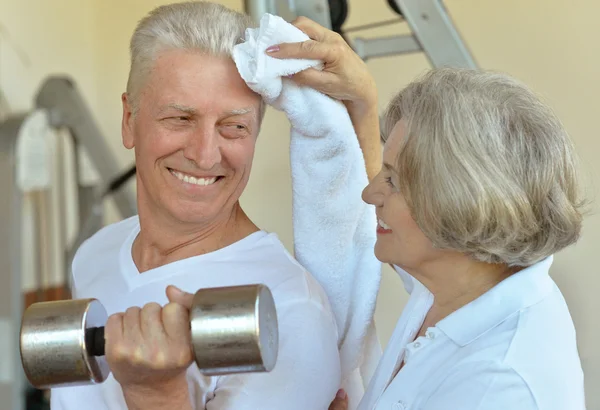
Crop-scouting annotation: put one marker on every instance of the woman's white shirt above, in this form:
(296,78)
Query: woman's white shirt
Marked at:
(512,348)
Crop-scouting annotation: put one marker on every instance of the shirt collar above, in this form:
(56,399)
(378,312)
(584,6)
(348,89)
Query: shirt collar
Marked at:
(513,294)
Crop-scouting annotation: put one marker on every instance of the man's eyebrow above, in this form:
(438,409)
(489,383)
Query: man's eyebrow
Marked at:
(240,111)
(193,111)
(179,107)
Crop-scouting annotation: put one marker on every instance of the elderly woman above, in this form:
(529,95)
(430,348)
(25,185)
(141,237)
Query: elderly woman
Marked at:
(477,191)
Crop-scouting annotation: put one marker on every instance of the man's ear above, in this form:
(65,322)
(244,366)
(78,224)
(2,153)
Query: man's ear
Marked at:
(127,122)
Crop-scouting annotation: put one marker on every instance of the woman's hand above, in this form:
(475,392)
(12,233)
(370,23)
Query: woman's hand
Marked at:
(344,76)
(340,402)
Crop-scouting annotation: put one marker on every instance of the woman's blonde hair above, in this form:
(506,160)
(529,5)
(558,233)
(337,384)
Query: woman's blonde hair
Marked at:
(486,168)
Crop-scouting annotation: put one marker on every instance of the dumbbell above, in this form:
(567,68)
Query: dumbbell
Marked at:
(233,330)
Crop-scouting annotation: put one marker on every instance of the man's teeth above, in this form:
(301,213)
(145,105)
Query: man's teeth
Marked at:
(384,225)
(193,180)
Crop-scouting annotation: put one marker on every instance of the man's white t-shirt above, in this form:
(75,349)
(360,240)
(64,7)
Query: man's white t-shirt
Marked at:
(307,373)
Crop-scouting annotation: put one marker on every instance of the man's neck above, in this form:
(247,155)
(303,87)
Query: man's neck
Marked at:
(163,240)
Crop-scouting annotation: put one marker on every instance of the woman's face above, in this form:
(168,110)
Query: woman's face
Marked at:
(399,240)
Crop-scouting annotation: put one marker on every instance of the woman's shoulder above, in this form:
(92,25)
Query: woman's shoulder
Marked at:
(531,355)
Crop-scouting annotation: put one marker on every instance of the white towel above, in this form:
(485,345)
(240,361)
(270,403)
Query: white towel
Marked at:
(334,230)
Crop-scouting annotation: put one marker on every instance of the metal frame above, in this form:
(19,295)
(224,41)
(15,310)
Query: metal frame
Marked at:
(12,379)
(66,108)
(433,32)
(317,10)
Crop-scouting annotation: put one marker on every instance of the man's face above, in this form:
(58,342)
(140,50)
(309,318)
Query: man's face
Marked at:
(194,136)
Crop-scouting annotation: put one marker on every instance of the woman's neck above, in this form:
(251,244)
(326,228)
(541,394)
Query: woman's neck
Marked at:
(456,282)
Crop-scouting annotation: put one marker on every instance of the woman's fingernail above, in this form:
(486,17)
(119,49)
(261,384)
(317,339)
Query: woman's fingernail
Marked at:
(341,394)
(273,49)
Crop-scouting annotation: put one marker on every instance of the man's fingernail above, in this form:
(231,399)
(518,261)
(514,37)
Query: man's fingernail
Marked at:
(341,394)
(273,49)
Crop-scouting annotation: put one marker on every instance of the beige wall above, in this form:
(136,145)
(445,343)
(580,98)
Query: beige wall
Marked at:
(550,44)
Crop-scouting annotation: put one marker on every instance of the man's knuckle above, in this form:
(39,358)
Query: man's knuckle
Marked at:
(132,310)
(171,309)
(152,306)
(113,320)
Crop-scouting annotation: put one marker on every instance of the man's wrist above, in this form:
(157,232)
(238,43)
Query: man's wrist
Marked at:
(160,397)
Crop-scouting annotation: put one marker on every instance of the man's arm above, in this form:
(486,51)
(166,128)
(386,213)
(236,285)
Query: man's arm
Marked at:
(307,373)
(175,395)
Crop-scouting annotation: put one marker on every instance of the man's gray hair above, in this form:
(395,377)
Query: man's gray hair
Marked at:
(486,167)
(195,25)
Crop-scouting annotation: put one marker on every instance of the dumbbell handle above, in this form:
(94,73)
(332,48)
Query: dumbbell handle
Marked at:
(94,341)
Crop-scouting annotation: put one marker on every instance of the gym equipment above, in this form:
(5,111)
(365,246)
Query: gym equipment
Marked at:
(433,32)
(60,100)
(233,330)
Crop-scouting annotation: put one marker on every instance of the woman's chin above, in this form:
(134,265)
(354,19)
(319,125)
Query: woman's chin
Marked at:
(383,255)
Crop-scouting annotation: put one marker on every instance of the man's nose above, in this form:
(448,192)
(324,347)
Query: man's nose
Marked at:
(204,147)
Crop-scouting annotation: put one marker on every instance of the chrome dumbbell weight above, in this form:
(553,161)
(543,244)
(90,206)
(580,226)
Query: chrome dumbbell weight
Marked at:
(233,330)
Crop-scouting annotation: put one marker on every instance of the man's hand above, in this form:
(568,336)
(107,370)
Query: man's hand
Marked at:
(340,402)
(149,351)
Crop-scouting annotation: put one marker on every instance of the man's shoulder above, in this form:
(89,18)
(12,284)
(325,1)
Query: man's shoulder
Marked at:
(289,281)
(110,236)
(270,251)
(264,258)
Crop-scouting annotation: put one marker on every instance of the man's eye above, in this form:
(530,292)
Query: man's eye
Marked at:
(237,127)
(178,119)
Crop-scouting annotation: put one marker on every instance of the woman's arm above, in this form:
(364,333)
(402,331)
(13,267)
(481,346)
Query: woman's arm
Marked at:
(365,119)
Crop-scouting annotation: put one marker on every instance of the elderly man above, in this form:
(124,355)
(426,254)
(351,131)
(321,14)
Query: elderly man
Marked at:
(193,124)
